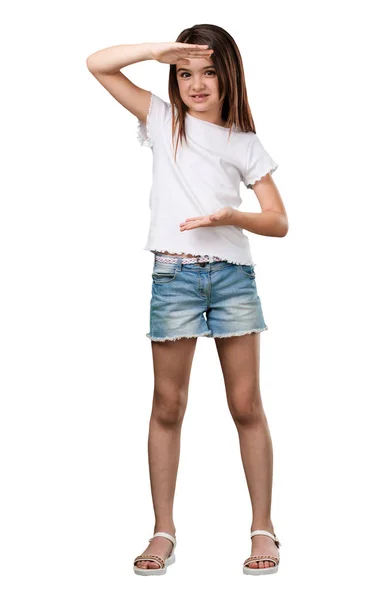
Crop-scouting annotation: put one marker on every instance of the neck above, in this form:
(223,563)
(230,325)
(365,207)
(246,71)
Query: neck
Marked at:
(205,116)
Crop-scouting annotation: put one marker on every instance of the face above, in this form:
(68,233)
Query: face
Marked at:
(198,76)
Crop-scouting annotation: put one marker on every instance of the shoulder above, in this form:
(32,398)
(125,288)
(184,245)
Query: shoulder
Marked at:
(257,161)
(158,105)
(242,141)
(253,144)
(158,114)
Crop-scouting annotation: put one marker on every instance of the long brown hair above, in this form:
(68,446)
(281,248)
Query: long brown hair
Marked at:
(232,86)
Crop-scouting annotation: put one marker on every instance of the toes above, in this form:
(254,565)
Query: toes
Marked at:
(262,564)
(147,564)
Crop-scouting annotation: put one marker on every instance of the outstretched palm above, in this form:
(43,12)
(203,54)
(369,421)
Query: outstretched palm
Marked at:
(223,216)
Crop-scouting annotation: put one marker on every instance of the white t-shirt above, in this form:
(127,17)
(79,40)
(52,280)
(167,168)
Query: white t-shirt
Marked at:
(205,177)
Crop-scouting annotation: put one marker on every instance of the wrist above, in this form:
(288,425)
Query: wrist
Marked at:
(148,50)
(234,218)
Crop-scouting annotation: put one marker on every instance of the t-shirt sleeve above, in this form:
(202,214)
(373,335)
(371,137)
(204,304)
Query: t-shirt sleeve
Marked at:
(258,162)
(148,132)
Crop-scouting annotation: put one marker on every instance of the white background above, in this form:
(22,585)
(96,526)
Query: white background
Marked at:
(77,378)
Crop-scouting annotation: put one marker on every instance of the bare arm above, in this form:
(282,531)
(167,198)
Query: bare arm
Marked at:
(105,65)
(270,222)
(110,60)
(273,220)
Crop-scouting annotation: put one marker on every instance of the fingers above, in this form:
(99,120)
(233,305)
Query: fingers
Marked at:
(193,45)
(196,53)
(196,50)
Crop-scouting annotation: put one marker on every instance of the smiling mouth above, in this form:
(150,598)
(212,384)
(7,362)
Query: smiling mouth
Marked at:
(200,95)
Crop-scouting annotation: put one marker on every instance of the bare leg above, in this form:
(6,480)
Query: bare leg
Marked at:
(172,367)
(239,357)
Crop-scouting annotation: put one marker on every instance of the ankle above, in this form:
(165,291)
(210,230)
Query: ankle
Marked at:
(166,527)
(266,525)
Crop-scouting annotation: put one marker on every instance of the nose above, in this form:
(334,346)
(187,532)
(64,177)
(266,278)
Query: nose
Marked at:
(198,88)
(197,84)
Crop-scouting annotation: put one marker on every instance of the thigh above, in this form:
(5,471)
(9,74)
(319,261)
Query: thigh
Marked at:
(240,360)
(172,362)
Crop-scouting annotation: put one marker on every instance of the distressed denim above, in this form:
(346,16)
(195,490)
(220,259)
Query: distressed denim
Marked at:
(213,299)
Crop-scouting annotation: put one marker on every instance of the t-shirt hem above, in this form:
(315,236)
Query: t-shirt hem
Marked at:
(269,169)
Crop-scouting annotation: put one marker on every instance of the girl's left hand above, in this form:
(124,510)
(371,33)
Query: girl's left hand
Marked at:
(224,216)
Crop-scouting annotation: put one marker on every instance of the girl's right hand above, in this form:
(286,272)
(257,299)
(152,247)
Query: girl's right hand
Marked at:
(171,52)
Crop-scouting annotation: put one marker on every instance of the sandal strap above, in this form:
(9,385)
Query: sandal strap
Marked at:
(260,558)
(165,535)
(264,532)
(154,557)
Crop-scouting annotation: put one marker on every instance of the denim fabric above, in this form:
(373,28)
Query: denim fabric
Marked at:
(213,299)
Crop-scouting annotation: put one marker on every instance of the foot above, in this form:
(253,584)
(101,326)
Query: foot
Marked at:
(160,546)
(263,545)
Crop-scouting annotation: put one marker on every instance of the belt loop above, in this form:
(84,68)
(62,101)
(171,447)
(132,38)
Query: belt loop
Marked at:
(179,263)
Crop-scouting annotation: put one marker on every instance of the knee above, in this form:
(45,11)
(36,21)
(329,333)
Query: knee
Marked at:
(246,407)
(169,405)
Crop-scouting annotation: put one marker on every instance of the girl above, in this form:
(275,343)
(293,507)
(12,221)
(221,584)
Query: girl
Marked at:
(203,281)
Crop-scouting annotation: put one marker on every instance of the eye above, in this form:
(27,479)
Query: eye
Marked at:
(186,73)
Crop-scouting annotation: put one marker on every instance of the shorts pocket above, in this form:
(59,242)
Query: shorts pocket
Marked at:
(248,270)
(164,273)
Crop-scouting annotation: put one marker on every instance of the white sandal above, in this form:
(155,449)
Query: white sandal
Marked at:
(262,571)
(163,563)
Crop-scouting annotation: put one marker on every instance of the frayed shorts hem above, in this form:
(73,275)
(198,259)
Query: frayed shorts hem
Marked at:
(172,339)
(224,335)
(206,334)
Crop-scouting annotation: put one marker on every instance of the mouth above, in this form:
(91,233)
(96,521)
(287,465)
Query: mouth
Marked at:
(199,96)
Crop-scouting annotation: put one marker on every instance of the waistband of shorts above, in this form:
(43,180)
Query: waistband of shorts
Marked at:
(202,258)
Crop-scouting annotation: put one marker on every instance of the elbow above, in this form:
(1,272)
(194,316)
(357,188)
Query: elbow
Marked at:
(89,64)
(284,227)
(285,231)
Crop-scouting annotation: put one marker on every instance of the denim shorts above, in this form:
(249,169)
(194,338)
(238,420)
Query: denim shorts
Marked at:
(213,299)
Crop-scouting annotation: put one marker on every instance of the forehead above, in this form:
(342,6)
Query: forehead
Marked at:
(195,64)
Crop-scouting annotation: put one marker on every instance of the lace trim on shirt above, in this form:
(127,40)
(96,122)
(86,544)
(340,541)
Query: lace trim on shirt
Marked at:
(185,252)
(143,133)
(259,177)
